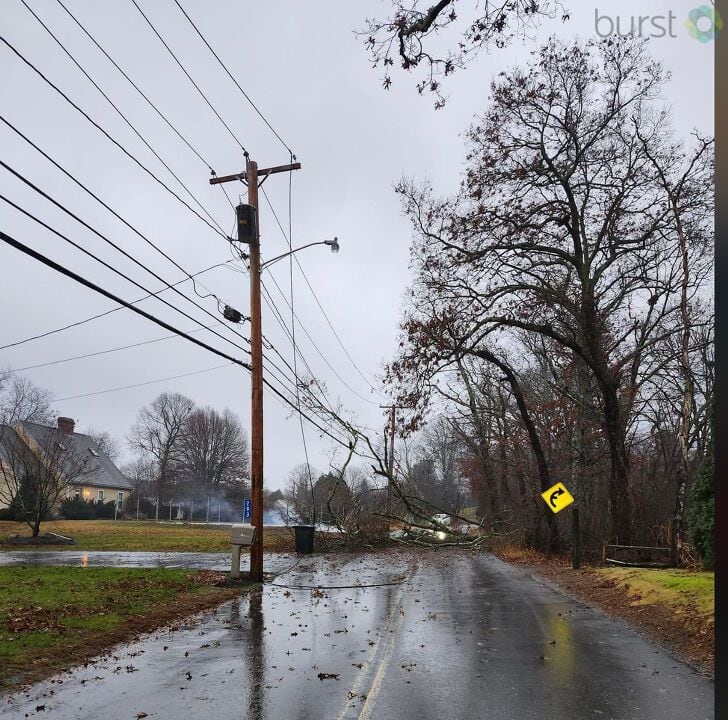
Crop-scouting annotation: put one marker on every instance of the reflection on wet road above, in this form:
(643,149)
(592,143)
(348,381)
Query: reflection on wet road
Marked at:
(396,635)
(273,562)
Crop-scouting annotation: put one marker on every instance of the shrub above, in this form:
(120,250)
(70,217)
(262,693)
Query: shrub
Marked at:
(701,515)
(104,510)
(76,508)
(701,518)
(15,511)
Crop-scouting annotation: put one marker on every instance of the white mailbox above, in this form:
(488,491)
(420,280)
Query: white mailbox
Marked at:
(240,536)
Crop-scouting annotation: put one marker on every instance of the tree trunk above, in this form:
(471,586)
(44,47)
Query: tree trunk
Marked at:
(614,425)
(552,542)
(687,400)
(619,502)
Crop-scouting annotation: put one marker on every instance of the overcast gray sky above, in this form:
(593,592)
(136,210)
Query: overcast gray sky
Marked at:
(309,74)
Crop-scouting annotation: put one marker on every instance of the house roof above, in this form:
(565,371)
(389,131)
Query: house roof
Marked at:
(7,438)
(100,470)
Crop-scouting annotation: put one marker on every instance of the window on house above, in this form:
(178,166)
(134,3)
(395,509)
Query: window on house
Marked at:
(93,452)
(61,446)
(100,495)
(119,500)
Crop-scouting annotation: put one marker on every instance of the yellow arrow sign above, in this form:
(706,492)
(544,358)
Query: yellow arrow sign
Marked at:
(557,497)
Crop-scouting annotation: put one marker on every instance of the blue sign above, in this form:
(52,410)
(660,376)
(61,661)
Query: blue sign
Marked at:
(247,509)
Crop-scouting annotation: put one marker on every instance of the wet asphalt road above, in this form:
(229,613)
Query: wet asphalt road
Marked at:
(442,635)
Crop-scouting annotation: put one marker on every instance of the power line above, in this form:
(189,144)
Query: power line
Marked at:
(326,317)
(122,115)
(136,231)
(142,384)
(109,137)
(327,410)
(316,347)
(114,245)
(107,312)
(268,361)
(87,283)
(279,319)
(318,302)
(189,77)
(230,75)
(304,415)
(100,352)
(136,87)
(293,327)
(28,214)
(276,393)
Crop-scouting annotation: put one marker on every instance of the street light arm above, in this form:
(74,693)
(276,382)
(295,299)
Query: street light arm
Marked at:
(334,244)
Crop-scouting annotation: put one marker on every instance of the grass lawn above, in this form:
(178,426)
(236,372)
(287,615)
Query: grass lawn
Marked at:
(55,617)
(143,535)
(684,591)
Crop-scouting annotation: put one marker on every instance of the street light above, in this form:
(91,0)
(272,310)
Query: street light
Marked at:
(333,244)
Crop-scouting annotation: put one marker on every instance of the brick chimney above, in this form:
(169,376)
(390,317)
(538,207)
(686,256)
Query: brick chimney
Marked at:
(66,425)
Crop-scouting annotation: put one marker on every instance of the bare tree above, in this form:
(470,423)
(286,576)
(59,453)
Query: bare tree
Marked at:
(158,433)
(214,454)
(299,493)
(21,400)
(142,472)
(108,445)
(409,36)
(686,184)
(38,464)
(561,231)
(33,476)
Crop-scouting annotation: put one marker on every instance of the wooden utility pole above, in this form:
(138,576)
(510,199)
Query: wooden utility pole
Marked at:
(251,177)
(256,403)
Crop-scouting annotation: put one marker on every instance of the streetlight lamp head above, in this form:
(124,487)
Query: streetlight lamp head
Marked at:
(333,244)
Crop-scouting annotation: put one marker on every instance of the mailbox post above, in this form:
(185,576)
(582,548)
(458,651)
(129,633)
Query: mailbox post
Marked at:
(240,536)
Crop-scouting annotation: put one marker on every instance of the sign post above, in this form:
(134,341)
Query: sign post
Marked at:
(557,497)
(575,539)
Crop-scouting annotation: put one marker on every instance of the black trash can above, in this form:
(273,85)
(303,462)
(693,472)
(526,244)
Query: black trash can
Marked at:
(304,538)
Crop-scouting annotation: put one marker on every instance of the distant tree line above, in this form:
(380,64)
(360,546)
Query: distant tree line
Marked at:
(189,454)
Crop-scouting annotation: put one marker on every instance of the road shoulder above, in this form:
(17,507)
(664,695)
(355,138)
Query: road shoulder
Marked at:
(687,635)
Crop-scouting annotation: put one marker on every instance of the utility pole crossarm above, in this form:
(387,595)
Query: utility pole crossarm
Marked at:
(279,169)
(226,178)
(261,173)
